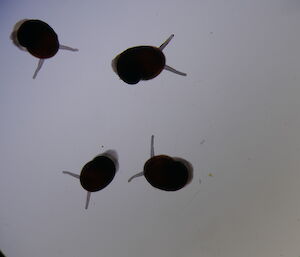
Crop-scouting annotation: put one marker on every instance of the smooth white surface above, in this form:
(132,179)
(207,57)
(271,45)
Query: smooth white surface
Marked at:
(235,117)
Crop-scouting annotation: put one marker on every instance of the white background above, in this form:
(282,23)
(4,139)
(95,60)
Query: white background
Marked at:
(235,118)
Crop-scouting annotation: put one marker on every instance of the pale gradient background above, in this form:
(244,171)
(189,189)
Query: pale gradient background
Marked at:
(236,116)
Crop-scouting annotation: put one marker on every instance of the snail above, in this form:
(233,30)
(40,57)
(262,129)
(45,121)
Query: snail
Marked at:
(142,63)
(38,38)
(165,172)
(97,173)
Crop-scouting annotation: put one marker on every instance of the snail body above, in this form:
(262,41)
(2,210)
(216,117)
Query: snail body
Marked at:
(38,38)
(142,63)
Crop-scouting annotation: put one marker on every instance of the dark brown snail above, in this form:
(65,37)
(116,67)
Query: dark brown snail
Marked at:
(97,173)
(142,63)
(165,172)
(38,38)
